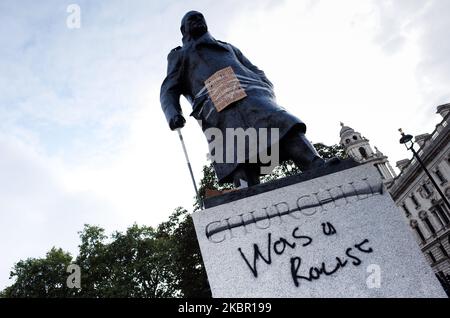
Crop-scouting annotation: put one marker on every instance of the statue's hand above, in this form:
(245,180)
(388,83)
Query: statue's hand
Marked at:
(177,122)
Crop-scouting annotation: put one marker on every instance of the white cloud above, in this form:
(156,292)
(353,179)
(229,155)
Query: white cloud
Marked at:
(36,210)
(353,61)
(426,24)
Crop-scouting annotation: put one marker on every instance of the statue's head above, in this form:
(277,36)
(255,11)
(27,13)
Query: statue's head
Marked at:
(193,25)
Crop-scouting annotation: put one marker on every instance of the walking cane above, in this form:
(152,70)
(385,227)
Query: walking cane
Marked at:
(189,165)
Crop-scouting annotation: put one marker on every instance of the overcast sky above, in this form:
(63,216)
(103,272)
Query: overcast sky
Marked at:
(82,135)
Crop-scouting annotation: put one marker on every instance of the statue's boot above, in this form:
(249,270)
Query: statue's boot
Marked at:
(321,164)
(296,147)
(245,176)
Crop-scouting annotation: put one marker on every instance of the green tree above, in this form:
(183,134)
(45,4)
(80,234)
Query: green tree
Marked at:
(137,263)
(328,152)
(132,264)
(41,277)
(142,262)
(186,260)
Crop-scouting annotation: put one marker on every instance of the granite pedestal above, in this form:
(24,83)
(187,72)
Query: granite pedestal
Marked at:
(332,233)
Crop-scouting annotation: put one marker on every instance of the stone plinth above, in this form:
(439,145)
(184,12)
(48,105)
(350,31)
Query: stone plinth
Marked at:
(324,235)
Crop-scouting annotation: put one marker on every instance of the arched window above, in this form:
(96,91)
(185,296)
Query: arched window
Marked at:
(440,176)
(363,152)
(355,137)
(419,232)
(415,225)
(430,226)
(440,211)
(427,189)
(414,200)
(424,216)
(436,216)
(347,141)
(405,208)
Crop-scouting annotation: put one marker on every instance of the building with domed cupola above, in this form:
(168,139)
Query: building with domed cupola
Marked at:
(358,147)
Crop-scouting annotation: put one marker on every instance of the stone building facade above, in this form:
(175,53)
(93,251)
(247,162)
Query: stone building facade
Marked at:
(423,208)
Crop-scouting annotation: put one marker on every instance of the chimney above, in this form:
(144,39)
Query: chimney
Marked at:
(421,139)
(402,164)
(443,110)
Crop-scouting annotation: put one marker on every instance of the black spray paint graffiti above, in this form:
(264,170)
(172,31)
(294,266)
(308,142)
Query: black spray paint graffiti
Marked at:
(314,272)
(328,229)
(278,247)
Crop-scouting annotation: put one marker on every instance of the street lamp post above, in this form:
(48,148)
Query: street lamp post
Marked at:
(409,144)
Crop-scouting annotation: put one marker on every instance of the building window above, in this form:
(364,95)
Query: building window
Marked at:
(414,200)
(427,189)
(419,232)
(363,152)
(430,226)
(433,259)
(424,217)
(443,250)
(442,213)
(440,176)
(355,138)
(405,208)
(436,216)
(415,225)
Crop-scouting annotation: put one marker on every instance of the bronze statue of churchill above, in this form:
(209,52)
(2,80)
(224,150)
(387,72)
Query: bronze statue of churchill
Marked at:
(202,56)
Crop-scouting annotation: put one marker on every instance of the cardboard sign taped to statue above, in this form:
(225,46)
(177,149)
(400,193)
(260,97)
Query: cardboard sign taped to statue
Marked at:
(224,88)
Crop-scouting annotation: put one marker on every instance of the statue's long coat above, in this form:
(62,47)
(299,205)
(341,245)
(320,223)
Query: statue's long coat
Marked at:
(188,68)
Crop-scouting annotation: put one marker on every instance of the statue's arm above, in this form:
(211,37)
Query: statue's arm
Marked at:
(171,90)
(246,62)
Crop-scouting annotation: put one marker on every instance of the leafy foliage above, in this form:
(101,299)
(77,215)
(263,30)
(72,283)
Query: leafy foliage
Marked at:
(142,262)
(186,262)
(43,276)
(133,264)
(328,152)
